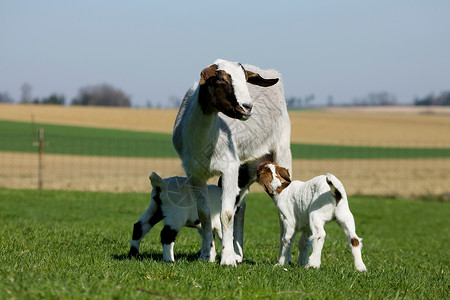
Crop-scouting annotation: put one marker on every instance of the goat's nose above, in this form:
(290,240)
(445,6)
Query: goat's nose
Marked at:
(247,106)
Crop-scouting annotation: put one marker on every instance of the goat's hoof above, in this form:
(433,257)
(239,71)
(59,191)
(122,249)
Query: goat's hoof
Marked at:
(205,257)
(228,261)
(134,253)
(239,259)
(361,268)
(312,266)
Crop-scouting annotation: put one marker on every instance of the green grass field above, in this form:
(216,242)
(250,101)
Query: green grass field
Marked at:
(58,244)
(19,136)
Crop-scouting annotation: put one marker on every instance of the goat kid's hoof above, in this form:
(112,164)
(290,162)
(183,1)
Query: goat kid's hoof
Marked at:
(205,257)
(134,253)
(361,268)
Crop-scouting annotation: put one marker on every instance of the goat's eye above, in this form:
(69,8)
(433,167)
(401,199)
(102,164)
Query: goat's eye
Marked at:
(221,83)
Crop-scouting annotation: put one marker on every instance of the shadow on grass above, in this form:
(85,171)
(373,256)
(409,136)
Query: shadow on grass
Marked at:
(190,257)
(156,256)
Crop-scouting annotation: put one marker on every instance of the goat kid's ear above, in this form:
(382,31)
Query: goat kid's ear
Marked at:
(156,181)
(266,185)
(207,73)
(256,79)
(284,173)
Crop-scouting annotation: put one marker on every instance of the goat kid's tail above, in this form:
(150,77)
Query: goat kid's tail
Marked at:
(336,186)
(156,181)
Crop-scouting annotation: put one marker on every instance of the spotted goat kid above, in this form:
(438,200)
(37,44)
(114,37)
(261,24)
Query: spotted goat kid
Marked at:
(172,199)
(306,207)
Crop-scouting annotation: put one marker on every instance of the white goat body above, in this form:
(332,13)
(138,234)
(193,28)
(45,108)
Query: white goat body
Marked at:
(306,207)
(211,139)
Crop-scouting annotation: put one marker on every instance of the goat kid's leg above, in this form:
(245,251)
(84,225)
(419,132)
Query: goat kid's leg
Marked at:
(149,218)
(200,192)
(345,219)
(212,253)
(304,246)
(168,236)
(317,238)
(287,234)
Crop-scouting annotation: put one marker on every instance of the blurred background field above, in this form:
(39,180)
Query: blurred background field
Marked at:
(395,151)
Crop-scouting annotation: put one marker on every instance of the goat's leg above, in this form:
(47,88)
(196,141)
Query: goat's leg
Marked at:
(282,155)
(146,222)
(230,191)
(317,238)
(345,219)
(168,235)
(238,232)
(304,246)
(287,234)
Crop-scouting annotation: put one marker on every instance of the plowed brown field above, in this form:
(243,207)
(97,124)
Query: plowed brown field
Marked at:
(405,178)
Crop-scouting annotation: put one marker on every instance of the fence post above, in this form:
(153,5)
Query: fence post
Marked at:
(40,144)
(41,153)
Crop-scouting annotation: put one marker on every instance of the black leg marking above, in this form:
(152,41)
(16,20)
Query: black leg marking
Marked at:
(137,231)
(168,235)
(158,216)
(134,253)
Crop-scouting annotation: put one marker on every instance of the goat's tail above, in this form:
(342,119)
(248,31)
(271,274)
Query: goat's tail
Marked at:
(336,186)
(156,180)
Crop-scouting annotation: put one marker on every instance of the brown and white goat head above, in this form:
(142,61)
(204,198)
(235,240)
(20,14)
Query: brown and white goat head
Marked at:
(223,89)
(273,178)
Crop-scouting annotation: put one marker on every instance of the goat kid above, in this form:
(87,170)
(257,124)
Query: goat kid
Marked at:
(211,139)
(173,200)
(306,207)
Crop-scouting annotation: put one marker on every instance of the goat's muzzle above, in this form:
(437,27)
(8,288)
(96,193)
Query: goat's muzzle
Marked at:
(243,111)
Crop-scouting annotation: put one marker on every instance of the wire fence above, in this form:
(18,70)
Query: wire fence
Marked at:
(96,161)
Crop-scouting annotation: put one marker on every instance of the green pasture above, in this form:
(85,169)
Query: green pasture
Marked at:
(19,137)
(74,245)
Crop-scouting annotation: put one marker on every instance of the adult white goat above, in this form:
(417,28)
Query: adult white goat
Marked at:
(211,139)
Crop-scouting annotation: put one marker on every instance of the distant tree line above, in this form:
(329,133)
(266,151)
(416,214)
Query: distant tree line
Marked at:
(96,95)
(299,102)
(441,99)
(376,99)
(107,95)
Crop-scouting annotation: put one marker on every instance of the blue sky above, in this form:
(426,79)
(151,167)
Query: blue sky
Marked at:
(154,50)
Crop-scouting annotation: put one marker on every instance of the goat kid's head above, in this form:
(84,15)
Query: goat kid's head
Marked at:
(273,178)
(223,88)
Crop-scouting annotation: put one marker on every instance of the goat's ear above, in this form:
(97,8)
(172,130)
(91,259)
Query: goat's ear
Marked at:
(207,73)
(284,173)
(256,79)
(263,178)
(266,185)
(156,181)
